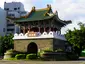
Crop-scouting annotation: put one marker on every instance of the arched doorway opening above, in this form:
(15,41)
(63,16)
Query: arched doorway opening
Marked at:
(32,48)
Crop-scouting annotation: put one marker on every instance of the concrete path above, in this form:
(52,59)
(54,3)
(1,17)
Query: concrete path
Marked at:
(41,62)
(80,61)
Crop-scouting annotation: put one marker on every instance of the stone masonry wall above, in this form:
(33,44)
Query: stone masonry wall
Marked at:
(58,44)
(21,45)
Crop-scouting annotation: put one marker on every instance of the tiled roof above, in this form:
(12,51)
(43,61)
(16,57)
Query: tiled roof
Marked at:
(39,14)
(35,15)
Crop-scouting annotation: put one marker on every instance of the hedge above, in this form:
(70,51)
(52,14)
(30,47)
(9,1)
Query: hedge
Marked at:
(20,56)
(31,56)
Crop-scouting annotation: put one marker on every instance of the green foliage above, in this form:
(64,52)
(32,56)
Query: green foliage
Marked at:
(72,56)
(76,38)
(6,42)
(13,52)
(48,50)
(20,56)
(31,56)
(59,50)
(1,46)
(82,53)
(10,50)
(11,59)
(40,54)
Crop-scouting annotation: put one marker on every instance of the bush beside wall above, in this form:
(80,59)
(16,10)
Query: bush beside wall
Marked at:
(31,56)
(20,56)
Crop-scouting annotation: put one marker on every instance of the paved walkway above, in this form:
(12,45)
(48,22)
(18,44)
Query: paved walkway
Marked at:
(80,61)
(41,62)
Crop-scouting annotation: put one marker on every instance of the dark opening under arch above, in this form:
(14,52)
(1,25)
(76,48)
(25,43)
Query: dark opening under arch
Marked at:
(32,48)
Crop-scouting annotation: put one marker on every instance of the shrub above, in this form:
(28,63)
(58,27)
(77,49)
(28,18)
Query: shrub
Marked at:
(20,56)
(48,50)
(10,50)
(82,53)
(9,54)
(31,56)
(38,54)
(59,50)
(72,56)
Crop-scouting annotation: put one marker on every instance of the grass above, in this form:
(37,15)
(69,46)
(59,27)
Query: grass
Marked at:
(38,59)
(11,59)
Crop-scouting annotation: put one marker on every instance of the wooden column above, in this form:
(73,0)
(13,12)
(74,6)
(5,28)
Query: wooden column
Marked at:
(52,29)
(44,29)
(39,29)
(23,29)
(49,29)
(19,29)
(28,28)
(55,29)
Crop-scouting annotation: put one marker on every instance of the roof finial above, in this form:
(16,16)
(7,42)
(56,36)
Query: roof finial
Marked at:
(4,2)
(48,6)
(56,12)
(33,8)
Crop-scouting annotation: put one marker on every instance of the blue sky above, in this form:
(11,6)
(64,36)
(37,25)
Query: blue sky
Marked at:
(39,3)
(42,3)
(67,9)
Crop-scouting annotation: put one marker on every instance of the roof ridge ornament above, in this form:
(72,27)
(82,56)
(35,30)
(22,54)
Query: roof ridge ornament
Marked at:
(33,8)
(50,14)
(48,6)
(56,12)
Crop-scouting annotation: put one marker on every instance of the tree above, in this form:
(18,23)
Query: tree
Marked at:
(1,46)
(6,42)
(76,38)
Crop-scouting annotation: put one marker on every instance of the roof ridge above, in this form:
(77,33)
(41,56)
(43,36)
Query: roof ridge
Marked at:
(35,11)
(27,14)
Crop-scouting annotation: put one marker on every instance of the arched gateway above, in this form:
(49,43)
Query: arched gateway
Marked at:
(32,48)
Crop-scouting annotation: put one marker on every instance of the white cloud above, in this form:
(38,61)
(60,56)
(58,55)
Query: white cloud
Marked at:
(28,4)
(1,3)
(70,10)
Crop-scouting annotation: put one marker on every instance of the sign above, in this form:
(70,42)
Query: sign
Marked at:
(31,34)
